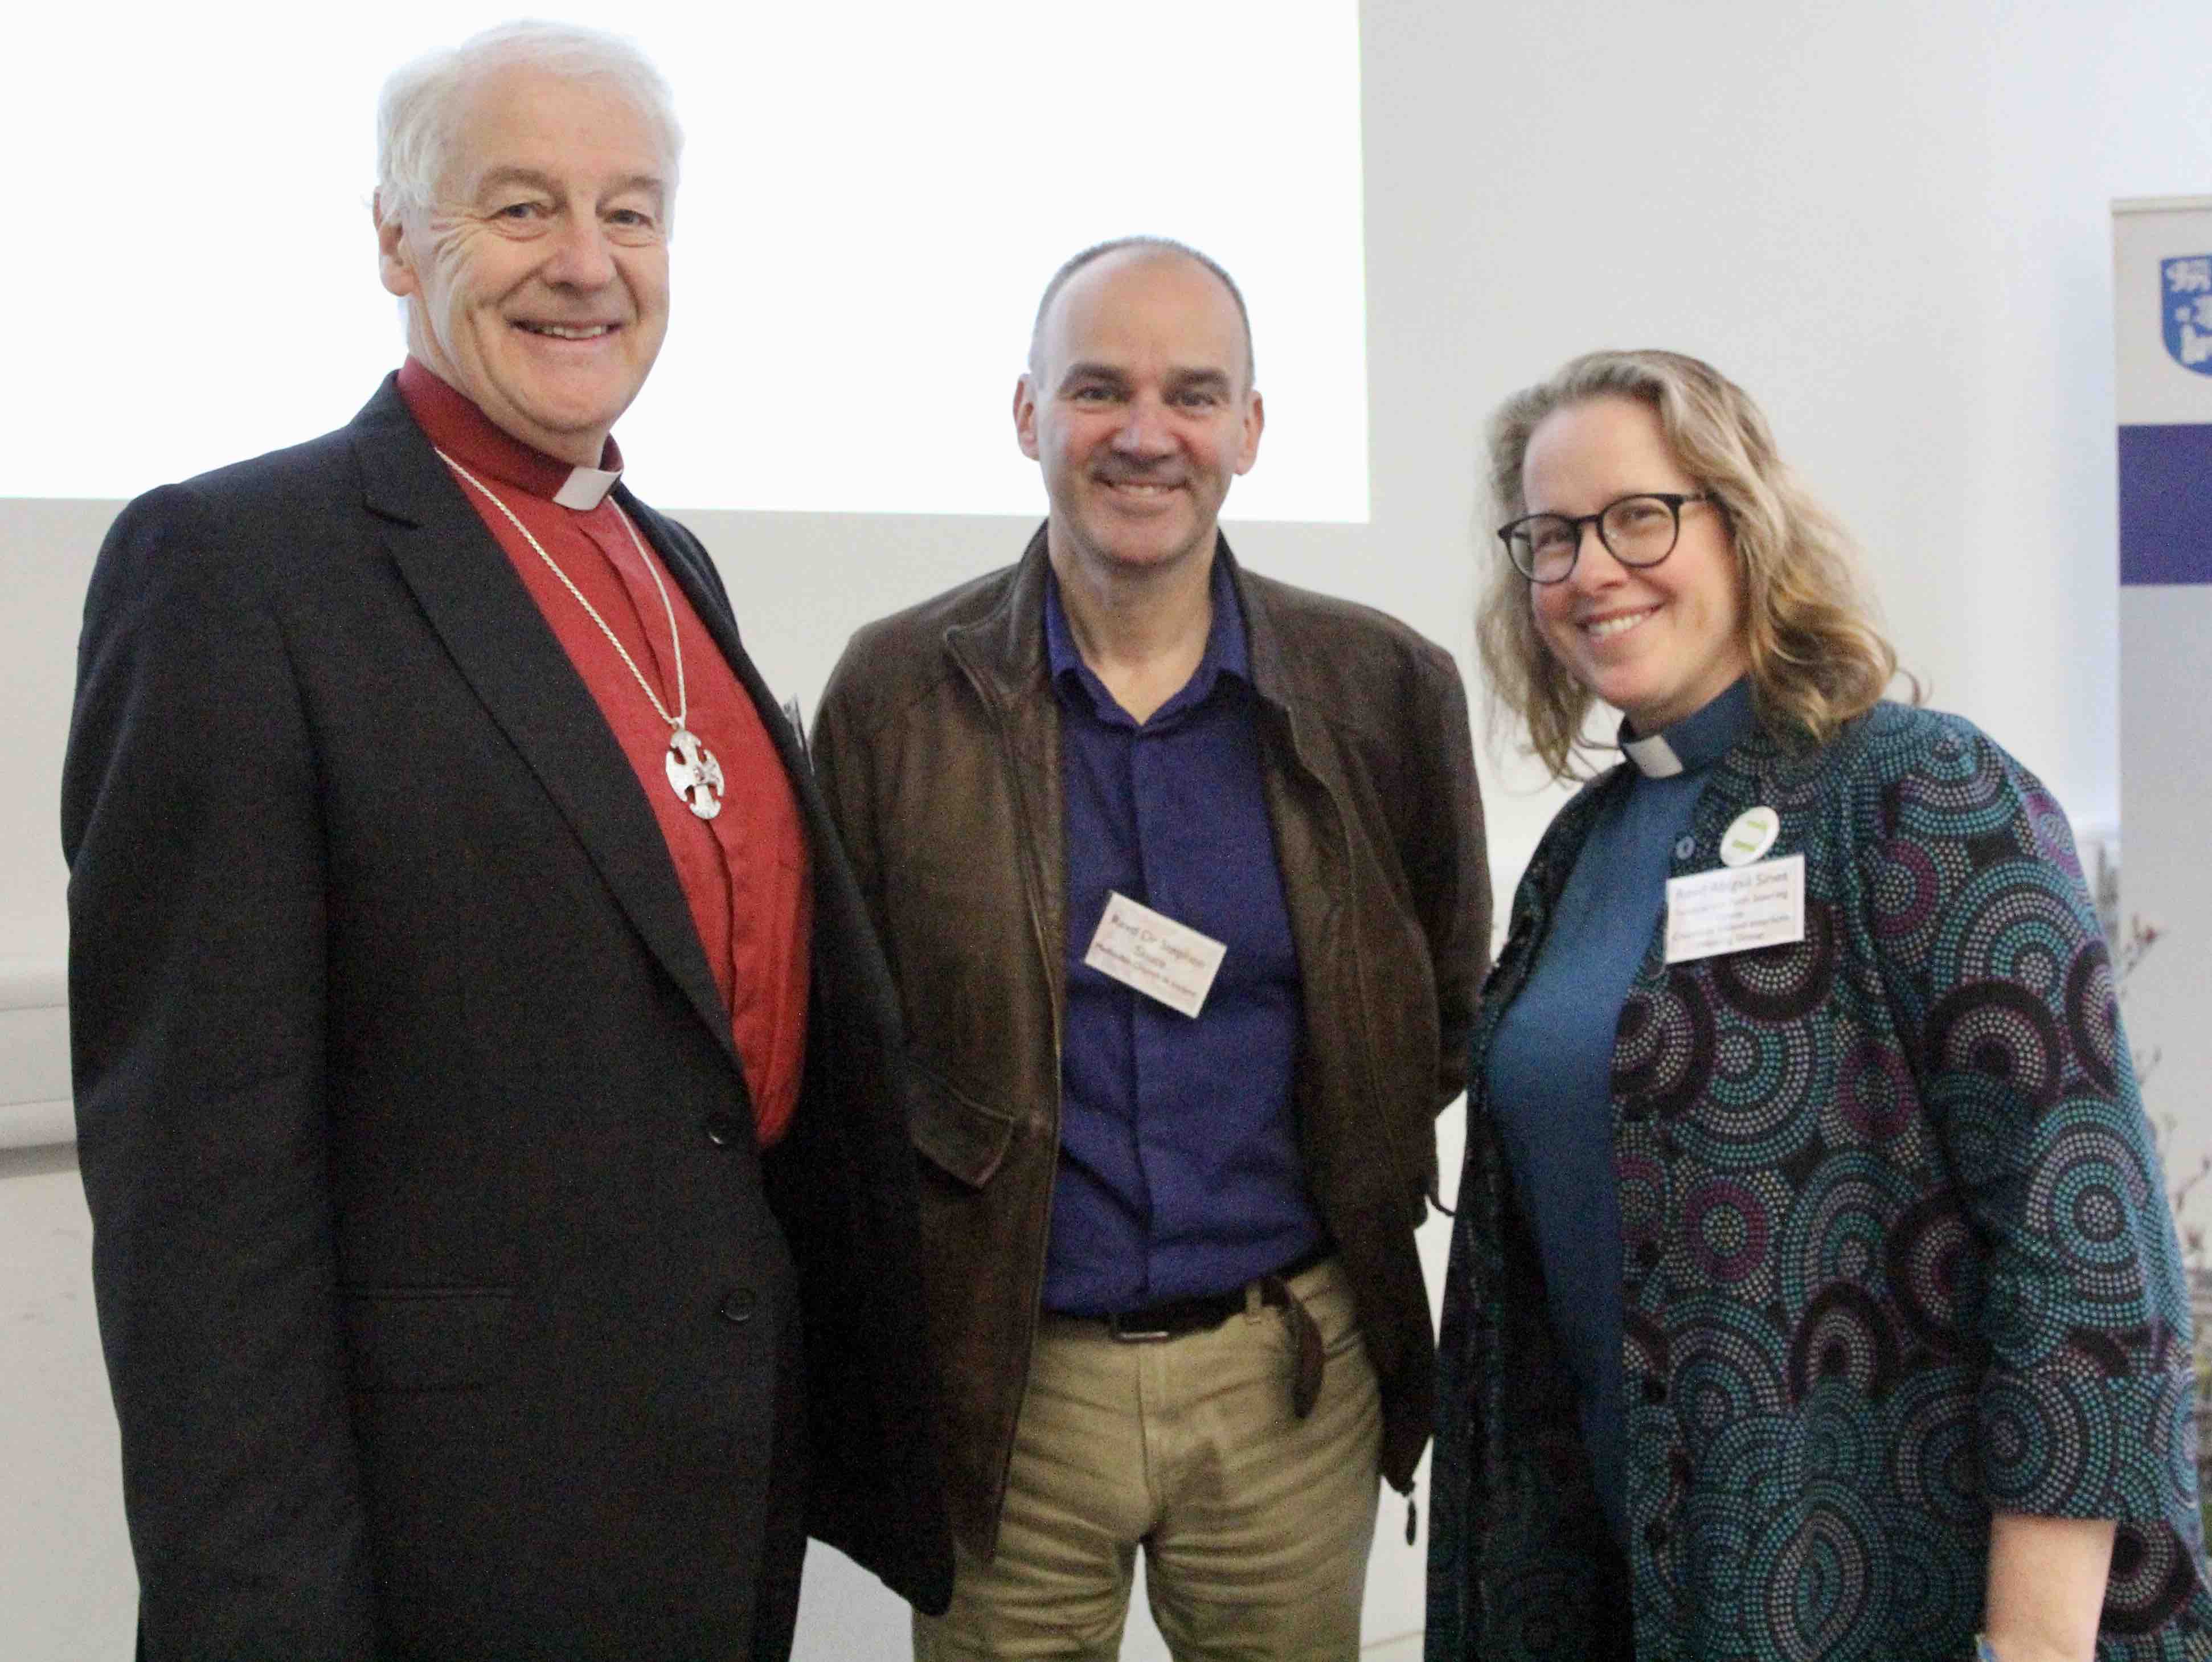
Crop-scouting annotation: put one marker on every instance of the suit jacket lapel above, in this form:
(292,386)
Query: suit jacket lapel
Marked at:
(504,648)
(686,561)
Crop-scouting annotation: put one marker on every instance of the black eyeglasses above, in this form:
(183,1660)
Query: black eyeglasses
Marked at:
(1639,530)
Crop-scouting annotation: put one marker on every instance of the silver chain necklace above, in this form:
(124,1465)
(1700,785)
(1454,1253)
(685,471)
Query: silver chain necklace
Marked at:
(693,773)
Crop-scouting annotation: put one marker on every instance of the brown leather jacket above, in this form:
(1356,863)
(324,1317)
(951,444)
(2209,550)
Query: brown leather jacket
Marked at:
(938,750)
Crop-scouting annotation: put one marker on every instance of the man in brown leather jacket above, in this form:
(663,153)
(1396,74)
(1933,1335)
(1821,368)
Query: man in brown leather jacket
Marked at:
(1180,871)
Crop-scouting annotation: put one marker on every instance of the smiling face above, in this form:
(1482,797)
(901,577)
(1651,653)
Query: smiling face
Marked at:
(538,284)
(1139,411)
(1657,643)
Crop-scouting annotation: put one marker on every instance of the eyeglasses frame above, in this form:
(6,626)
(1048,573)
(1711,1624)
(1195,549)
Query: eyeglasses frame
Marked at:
(1675,500)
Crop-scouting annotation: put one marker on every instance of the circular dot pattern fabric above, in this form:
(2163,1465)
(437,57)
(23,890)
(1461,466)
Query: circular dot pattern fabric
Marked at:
(1896,1255)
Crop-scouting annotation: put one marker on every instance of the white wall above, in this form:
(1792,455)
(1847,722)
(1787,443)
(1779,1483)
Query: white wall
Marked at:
(1888,222)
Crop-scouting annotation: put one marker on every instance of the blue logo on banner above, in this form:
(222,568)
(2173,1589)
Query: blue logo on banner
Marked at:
(2185,303)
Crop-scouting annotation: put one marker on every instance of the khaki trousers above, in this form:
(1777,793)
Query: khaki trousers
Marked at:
(1256,1525)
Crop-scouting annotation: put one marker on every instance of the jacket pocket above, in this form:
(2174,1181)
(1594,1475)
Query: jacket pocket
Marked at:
(428,1338)
(959,1134)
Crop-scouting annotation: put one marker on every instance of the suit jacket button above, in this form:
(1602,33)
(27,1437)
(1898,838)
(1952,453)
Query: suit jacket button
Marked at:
(738,1304)
(721,1130)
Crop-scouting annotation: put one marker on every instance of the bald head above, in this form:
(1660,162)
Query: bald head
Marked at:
(1118,248)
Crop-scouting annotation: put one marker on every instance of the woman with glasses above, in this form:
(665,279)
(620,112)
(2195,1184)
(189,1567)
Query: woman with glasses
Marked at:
(1813,1292)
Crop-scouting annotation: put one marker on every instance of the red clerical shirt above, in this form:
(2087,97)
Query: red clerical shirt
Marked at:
(744,872)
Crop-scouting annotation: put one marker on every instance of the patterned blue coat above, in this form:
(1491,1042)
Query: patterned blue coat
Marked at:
(1896,1253)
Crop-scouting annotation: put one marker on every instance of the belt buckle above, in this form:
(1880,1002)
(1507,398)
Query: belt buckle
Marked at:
(1135,1335)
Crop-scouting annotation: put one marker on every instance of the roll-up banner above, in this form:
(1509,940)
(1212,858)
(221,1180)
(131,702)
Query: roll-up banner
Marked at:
(2162,301)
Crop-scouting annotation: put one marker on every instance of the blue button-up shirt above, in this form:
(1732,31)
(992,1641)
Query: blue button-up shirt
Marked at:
(1179,1164)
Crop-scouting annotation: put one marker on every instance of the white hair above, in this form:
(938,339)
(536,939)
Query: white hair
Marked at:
(419,114)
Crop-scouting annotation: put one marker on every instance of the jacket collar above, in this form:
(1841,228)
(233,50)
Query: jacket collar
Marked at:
(1008,642)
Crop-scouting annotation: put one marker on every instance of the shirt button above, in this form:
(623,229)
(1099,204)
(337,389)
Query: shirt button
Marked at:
(721,1130)
(738,1305)
(1655,1537)
(1684,847)
(1655,1391)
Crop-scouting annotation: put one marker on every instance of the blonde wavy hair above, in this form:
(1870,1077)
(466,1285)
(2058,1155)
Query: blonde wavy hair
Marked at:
(1816,656)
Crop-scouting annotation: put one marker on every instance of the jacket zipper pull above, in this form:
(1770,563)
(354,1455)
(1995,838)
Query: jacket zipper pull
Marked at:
(1412,1518)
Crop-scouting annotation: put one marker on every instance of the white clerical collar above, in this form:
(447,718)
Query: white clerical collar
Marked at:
(587,487)
(1655,758)
(1697,740)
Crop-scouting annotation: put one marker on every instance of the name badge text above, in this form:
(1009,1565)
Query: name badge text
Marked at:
(1735,909)
(1150,950)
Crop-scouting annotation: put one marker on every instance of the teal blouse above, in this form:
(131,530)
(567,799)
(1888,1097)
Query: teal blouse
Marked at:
(1550,1073)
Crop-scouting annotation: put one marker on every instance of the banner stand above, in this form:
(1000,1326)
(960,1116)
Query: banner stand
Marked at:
(2162,945)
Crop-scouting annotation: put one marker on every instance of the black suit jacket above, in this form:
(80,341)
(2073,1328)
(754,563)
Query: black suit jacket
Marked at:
(445,1295)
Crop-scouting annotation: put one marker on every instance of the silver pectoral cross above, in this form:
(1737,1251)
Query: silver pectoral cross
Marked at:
(694,774)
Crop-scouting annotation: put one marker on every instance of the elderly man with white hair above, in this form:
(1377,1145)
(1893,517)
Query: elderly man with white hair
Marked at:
(488,1091)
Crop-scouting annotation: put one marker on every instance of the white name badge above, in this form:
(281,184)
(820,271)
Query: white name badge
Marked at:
(1150,950)
(1735,909)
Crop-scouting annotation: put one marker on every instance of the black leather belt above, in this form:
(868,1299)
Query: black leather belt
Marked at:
(1177,1316)
(1174,1318)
